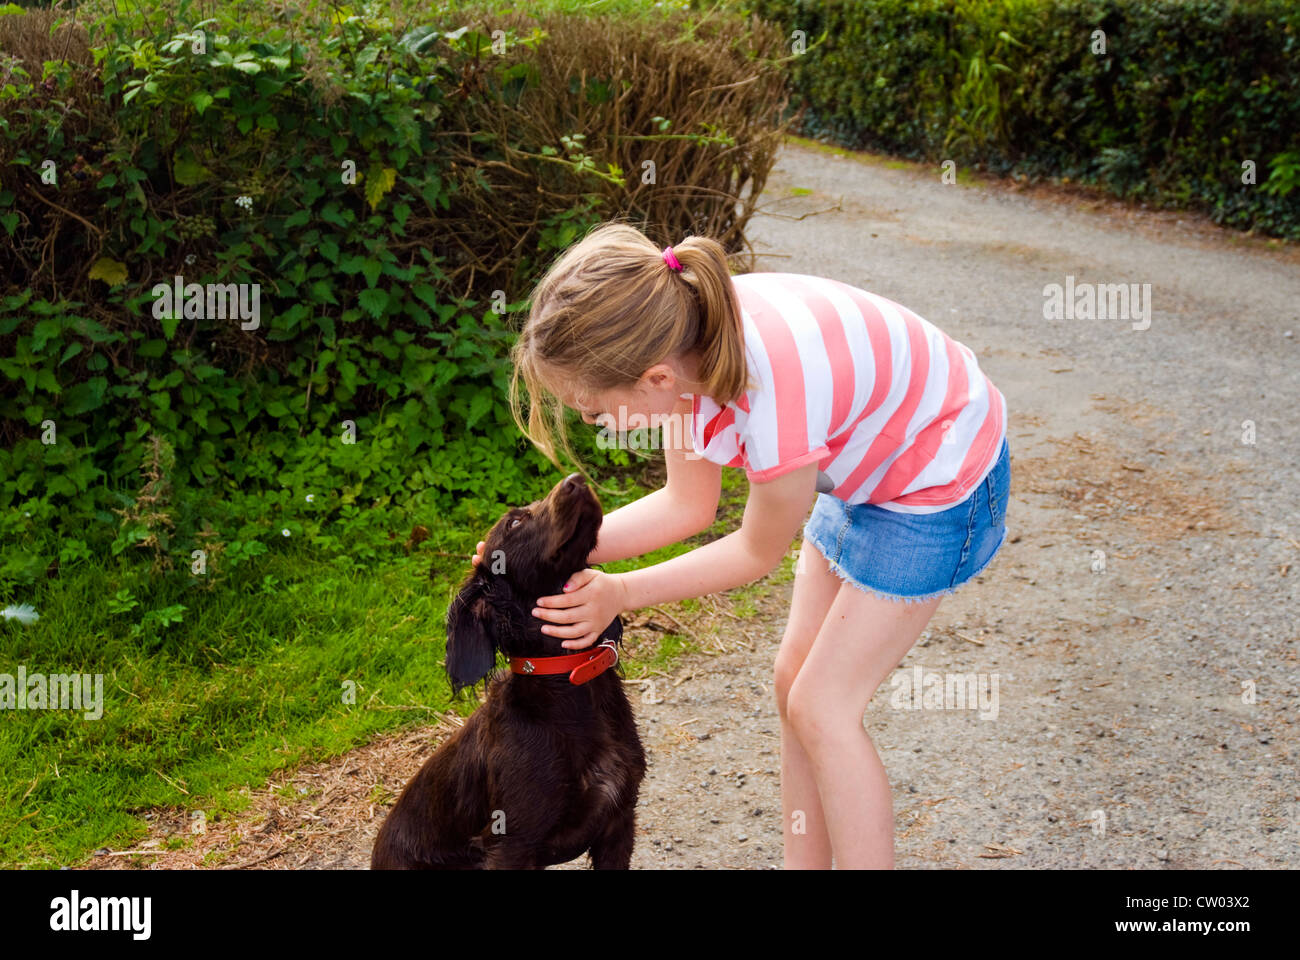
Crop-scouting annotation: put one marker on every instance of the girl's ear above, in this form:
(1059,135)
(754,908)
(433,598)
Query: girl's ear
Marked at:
(471,637)
(657,377)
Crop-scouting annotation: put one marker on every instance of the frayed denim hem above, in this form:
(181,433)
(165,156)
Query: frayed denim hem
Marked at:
(839,571)
(896,598)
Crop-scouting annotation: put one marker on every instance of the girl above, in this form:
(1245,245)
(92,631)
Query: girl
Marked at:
(818,390)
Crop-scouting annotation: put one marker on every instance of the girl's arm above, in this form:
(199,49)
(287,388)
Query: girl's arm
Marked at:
(773,515)
(687,504)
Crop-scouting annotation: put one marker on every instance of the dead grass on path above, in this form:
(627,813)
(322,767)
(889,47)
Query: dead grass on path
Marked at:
(294,819)
(1159,501)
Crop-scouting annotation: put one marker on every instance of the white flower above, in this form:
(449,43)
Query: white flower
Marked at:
(285,531)
(189,258)
(245,202)
(311,497)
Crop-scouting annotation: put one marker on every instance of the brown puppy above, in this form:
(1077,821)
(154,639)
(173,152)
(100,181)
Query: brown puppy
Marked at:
(546,769)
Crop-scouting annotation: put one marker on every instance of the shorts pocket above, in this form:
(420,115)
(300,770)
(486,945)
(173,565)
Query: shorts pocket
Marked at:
(991,493)
(997,487)
(972,531)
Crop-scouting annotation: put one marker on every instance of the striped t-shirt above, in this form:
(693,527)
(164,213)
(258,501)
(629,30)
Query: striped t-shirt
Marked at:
(895,412)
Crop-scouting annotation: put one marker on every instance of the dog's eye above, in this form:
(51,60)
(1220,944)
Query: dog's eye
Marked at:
(515,522)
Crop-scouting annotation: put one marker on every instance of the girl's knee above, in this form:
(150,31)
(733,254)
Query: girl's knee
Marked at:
(782,679)
(784,673)
(817,718)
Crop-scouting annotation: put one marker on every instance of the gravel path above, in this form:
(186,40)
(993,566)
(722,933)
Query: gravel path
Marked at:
(1145,592)
(1122,737)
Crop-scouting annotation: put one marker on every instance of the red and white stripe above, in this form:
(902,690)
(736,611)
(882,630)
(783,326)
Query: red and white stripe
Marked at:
(893,410)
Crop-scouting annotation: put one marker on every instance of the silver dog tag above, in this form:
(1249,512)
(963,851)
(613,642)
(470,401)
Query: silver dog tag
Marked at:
(824,483)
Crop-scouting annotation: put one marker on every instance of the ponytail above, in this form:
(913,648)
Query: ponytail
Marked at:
(609,309)
(721,339)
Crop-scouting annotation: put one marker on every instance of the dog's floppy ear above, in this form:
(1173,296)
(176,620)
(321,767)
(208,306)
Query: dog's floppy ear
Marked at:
(471,640)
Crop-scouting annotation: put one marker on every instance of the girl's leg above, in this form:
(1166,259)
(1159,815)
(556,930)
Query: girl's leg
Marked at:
(807,844)
(862,638)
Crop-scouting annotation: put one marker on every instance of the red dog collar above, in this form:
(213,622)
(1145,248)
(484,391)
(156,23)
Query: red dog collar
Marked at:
(581,666)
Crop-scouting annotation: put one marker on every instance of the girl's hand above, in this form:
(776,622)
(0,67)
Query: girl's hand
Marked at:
(478,553)
(591,600)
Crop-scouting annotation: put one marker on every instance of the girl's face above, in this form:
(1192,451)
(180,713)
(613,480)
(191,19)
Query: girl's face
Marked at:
(655,394)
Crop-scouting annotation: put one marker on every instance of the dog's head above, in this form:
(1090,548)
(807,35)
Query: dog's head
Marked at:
(528,553)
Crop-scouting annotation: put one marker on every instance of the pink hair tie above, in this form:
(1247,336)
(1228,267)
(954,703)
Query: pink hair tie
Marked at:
(670,258)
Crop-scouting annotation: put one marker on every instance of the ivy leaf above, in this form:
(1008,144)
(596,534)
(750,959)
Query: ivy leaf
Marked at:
(479,405)
(374,301)
(323,291)
(85,396)
(201,101)
(426,293)
(352,264)
(348,369)
(378,182)
(333,214)
(44,331)
(112,272)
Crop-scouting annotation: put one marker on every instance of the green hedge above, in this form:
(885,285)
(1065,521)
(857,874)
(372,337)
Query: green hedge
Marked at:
(226,166)
(1185,92)
(370,168)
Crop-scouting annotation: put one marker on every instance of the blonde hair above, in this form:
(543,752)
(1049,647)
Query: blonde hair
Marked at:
(609,309)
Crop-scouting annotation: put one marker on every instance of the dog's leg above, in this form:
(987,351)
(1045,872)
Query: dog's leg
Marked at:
(511,854)
(518,839)
(612,850)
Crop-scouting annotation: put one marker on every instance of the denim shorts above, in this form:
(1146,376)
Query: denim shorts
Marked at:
(914,556)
